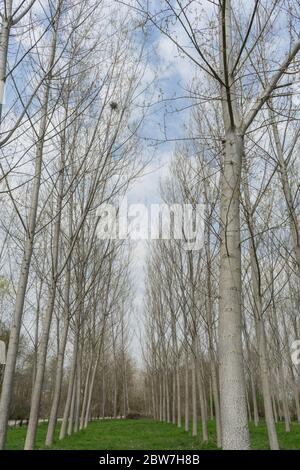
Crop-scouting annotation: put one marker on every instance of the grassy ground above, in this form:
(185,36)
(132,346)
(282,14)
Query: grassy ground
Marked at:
(146,434)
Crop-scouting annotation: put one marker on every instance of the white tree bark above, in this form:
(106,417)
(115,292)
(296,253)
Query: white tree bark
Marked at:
(85,395)
(186,395)
(4,40)
(259,323)
(202,407)
(66,415)
(234,421)
(59,367)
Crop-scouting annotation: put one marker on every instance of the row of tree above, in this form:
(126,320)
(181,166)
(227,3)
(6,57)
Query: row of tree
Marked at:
(72,74)
(221,320)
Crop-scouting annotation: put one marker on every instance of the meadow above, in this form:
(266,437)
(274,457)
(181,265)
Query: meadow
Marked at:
(146,434)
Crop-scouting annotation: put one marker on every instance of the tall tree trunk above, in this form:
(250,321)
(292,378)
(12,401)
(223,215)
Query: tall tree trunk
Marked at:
(186,394)
(164,397)
(43,346)
(4,40)
(160,397)
(284,178)
(259,323)
(92,382)
(194,395)
(274,407)
(154,412)
(78,392)
(254,399)
(72,408)
(85,395)
(266,389)
(285,405)
(234,422)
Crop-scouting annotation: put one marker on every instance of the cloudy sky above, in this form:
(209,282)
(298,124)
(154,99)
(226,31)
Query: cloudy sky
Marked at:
(174,76)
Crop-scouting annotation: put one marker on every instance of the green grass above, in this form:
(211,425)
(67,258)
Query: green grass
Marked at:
(146,434)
